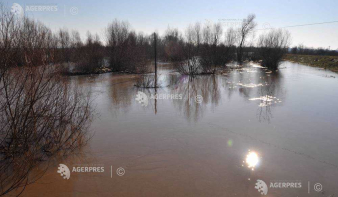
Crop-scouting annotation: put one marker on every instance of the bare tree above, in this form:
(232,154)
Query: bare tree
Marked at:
(207,34)
(230,40)
(91,56)
(197,35)
(217,33)
(173,44)
(190,65)
(231,37)
(202,57)
(209,56)
(76,46)
(273,46)
(246,28)
(9,40)
(64,44)
(41,115)
(127,51)
(117,35)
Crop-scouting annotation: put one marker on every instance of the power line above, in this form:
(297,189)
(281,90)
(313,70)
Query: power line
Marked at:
(302,25)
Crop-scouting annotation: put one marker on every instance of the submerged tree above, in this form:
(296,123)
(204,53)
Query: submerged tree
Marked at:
(190,63)
(231,38)
(273,46)
(210,55)
(92,56)
(127,50)
(41,114)
(173,44)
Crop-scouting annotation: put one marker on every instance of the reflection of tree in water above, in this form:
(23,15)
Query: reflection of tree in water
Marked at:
(236,77)
(190,88)
(240,80)
(255,83)
(122,87)
(119,87)
(121,92)
(273,89)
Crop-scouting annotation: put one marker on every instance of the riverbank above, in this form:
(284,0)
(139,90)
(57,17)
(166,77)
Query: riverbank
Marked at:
(325,62)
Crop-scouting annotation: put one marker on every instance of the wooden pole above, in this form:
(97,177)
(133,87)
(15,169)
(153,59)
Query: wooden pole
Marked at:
(155,72)
(155,60)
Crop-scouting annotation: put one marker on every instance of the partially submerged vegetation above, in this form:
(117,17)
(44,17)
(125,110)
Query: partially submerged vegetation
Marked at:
(202,49)
(205,50)
(320,61)
(272,47)
(41,114)
(147,81)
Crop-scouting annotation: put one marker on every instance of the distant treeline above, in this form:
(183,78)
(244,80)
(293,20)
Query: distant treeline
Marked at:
(200,49)
(302,50)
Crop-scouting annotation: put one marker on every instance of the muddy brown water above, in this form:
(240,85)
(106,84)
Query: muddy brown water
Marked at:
(196,147)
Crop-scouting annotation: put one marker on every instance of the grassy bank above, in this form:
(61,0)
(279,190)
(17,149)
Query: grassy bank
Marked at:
(326,62)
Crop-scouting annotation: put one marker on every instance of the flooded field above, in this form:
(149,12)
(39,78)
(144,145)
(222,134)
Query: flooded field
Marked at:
(195,139)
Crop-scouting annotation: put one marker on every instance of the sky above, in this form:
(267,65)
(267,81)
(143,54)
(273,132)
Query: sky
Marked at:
(150,16)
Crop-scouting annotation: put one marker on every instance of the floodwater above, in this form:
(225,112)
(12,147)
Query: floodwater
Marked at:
(197,142)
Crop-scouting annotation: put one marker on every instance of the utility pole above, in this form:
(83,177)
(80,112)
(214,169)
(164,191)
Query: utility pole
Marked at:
(155,71)
(155,59)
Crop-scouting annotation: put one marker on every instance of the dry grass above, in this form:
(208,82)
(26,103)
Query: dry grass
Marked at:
(326,62)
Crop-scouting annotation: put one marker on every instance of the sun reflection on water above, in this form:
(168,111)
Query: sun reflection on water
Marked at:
(252,160)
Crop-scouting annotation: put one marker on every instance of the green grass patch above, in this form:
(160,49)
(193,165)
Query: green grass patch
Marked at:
(326,62)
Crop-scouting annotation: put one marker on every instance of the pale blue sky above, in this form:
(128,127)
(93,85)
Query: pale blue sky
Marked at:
(149,16)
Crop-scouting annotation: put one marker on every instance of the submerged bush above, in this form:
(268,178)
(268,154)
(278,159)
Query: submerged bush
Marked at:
(272,47)
(41,114)
(127,51)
